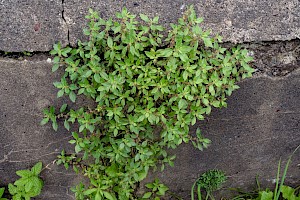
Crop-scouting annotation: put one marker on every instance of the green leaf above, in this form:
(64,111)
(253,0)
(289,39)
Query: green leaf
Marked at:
(144,17)
(162,190)
(287,193)
(165,52)
(97,78)
(90,191)
(199,20)
(72,96)
(182,104)
(98,196)
(266,195)
(12,189)
(88,73)
(2,192)
(28,186)
(55,67)
(142,175)
(155,19)
(184,57)
(147,195)
(56,59)
(24,173)
(72,141)
(63,108)
(75,135)
(108,196)
(60,93)
(44,121)
(212,90)
(77,148)
(67,125)
(37,168)
(207,42)
(54,125)
(109,42)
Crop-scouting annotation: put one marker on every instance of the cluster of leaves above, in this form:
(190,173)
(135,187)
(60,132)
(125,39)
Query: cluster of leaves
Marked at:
(209,181)
(26,187)
(148,87)
(157,189)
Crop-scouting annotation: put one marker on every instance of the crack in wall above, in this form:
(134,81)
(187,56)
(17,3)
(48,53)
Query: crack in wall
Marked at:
(63,17)
(275,58)
(272,58)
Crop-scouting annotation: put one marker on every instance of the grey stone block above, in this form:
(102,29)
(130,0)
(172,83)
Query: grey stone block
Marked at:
(31,25)
(236,20)
(259,127)
(26,89)
(37,25)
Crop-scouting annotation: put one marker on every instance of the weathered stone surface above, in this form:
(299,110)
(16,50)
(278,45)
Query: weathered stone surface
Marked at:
(275,59)
(260,126)
(26,89)
(31,25)
(37,25)
(236,20)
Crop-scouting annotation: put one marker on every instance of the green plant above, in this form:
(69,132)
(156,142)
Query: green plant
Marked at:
(148,89)
(157,189)
(209,181)
(29,185)
(27,53)
(1,194)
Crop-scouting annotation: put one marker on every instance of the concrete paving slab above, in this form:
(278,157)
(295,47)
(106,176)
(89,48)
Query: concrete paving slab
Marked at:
(37,25)
(31,25)
(236,20)
(260,126)
(26,89)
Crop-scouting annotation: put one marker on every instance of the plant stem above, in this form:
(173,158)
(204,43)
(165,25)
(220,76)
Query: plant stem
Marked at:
(199,192)
(207,195)
(192,190)
(277,179)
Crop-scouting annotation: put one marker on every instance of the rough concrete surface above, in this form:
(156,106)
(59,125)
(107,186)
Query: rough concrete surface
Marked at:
(31,25)
(260,125)
(235,20)
(275,59)
(26,89)
(35,25)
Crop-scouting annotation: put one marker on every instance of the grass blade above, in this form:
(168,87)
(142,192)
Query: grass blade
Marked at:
(277,179)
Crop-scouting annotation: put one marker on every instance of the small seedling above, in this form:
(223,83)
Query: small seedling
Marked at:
(209,181)
(29,185)
(157,189)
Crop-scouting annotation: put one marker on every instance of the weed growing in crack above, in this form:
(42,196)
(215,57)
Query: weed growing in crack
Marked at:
(148,89)
(27,186)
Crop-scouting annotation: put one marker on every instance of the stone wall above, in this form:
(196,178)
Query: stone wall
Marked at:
(260,125)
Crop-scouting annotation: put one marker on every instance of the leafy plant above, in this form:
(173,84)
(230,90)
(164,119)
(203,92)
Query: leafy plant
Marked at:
(157,189)
(209,181)
(148,88)
(1,194)
(29,185)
